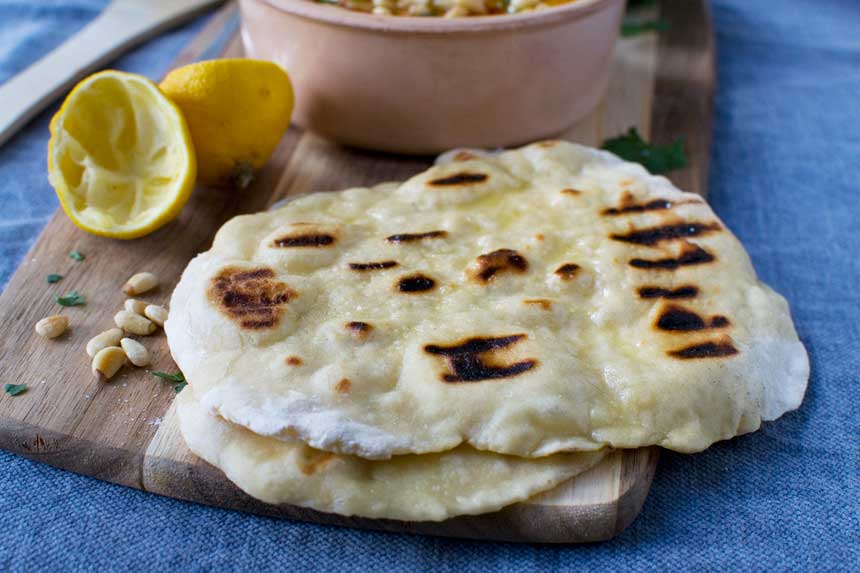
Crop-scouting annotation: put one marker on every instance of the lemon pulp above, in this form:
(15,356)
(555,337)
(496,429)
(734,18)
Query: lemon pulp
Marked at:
(120,156)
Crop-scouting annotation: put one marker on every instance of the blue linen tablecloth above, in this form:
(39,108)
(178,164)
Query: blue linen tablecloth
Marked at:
(785,178)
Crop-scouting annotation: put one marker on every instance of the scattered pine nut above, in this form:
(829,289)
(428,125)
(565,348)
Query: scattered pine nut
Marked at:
(155,313)
(107,338)
(136,352)
(140,283)
(52,326)
(135,306)
(107,362)
(134,323)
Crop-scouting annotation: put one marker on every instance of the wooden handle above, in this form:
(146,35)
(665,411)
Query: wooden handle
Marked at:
(119,26)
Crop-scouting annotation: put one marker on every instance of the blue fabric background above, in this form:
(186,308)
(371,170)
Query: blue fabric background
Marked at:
(785,178)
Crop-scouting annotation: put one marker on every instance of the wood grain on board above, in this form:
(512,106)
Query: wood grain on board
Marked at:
(124,431)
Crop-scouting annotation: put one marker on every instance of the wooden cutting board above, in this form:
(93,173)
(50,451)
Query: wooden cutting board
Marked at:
(125,432)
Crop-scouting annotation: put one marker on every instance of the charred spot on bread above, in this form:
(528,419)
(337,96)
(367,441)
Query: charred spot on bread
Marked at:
(343,386)
(654,235)
(490,265)
(464,156)
(712,349)
(675,318)
(373,266)
(480,358)
(571,191)
(628,206)
(719,321)
(359,329)
(416,283)
(294,361)
(411,237)
(544,303)
(682,292)
(302,239)
(464,178)
(253,298)
(691,254)
(653,205)
(567,271)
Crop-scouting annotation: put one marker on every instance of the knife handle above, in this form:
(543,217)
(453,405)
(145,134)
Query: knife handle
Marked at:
(120,25)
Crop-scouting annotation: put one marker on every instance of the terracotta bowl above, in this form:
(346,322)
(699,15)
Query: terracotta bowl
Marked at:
(423,85)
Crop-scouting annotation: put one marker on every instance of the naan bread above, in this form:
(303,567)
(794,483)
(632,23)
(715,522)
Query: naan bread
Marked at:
(428,487)
(552,298)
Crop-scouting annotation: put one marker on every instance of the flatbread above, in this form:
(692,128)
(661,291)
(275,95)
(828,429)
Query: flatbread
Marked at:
(552,298)
(428,487)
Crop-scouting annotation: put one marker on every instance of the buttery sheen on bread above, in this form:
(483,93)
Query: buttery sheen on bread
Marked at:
(549,299)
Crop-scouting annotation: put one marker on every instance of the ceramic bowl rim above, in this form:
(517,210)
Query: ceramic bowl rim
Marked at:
(337,16)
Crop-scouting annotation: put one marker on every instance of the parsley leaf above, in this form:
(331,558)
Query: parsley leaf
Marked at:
(629,29)
(178,377)
(656,158)
(77,255)
(54,278)
(15,389)
(74,298)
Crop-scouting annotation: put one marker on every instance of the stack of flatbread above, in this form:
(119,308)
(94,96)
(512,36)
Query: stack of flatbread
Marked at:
(473,336)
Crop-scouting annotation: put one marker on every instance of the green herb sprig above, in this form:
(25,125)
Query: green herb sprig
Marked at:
(179,378)
(629,29)
(74,298)
(52,278)
(15,389)
(77,255)
(656,158)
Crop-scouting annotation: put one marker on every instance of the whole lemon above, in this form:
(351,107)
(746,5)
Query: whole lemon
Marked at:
(237,111)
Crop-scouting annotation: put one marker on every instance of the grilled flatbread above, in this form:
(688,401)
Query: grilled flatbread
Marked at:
(552,298)
(430,487)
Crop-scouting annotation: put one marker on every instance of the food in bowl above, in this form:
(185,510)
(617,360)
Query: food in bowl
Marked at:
(444,8)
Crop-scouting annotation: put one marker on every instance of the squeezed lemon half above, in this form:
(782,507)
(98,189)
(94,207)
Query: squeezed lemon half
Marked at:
(120,156)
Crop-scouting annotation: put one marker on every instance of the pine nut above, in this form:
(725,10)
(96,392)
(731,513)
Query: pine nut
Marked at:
(140,283)
(155,313)
(133,323)
(135,306)
(107,362)
(136,352)
(99,341)
(52,326)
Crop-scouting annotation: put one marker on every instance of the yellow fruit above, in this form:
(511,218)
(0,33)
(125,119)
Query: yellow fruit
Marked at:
(237,111)
(120,156)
